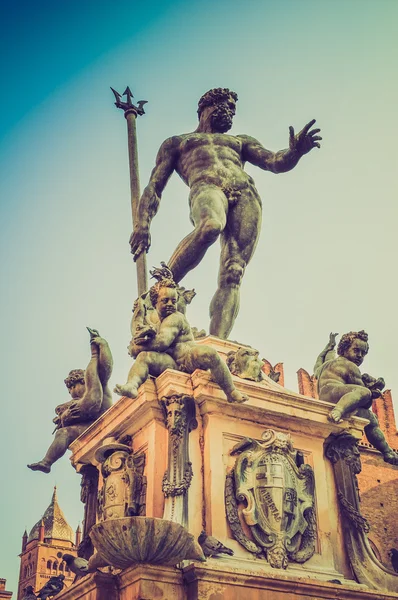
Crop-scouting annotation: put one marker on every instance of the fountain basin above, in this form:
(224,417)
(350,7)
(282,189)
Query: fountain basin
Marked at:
(130,540)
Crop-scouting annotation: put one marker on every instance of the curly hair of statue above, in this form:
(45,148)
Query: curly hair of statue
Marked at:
(348,338)
(215,96)
(75,376)
(164,280)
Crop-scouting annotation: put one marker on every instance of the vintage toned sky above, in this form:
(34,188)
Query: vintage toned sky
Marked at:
(327,255)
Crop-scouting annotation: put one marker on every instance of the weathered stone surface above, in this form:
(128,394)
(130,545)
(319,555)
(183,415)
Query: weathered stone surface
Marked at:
(270,477)
(180,421)
(124,542)
(343,453)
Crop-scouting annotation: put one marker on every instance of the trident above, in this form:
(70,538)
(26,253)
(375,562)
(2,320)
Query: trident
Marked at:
(130,112)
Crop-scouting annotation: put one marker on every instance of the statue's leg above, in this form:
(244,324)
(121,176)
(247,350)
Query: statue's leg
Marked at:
(92,399)
(105,362)
(348,398)
(63,438)
(238,243)
(146,363)
(209,208)
(205,357)
(105,367)
(376,437)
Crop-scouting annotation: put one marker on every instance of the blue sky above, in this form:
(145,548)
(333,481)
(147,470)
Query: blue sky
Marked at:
(326,259)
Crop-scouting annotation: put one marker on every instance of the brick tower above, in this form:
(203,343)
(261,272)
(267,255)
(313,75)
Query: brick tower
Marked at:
(49,538)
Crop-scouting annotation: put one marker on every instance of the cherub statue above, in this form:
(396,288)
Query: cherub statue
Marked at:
(145,319)
(91,397)
(246,364)
(340,381)
(169,343)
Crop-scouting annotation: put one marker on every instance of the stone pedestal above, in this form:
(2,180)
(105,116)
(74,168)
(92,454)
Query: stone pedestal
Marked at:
(220,426)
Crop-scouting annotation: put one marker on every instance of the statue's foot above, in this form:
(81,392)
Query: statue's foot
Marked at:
(391,457)
(335,416)
(129,390)
(237,397)
(40,466)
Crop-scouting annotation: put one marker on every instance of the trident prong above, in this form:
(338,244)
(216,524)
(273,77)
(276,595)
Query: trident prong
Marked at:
(128,105)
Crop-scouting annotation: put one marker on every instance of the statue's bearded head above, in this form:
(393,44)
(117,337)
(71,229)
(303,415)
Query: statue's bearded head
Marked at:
(354,346)
(220,104)
(246,364)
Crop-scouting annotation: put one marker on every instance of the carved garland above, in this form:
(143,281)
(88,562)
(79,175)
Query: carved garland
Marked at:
(173,489)
(349,511)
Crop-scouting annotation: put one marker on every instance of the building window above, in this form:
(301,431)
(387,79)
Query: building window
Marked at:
(49,565)
(61,566)
(55,566)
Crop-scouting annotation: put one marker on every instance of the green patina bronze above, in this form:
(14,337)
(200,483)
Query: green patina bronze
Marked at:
(340,382)
(168,342)
(91,397)
(223,199)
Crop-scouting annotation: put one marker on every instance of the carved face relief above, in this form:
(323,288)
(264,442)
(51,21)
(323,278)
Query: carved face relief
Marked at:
(175,418)
(277,557)
(356,352)
(167,302)
(246,364)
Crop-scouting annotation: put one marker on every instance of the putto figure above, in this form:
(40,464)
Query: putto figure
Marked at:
(91,397)
(223,200)
(170,344)
(340,381)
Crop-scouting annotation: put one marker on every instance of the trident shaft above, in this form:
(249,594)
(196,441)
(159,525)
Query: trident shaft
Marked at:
(130,112)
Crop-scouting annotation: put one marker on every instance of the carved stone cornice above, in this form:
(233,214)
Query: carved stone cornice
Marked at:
(125,417)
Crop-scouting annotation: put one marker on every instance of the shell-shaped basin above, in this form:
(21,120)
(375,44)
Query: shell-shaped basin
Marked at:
(129,540)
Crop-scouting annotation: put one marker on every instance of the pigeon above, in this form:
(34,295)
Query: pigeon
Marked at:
(78,566)
(393,555)
(53,586)
(211,546)
(29,594)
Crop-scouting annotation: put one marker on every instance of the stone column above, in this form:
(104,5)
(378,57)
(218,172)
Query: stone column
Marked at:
(88,495)
(343,452)
(180,420)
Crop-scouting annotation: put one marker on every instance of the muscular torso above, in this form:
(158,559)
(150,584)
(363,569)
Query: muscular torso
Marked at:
(211,159)
(339,371)
(184,339)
